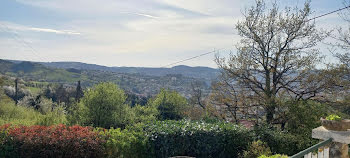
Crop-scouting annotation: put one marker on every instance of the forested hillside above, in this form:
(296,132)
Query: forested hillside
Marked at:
(206,73)
(138,83)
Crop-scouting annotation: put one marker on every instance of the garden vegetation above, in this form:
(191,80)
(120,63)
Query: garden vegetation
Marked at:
(272,82)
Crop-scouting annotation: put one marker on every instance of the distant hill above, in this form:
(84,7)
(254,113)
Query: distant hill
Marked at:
(130,79)
(35,71)
(206,73)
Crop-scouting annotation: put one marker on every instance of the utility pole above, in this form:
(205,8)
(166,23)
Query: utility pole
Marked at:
(16,90)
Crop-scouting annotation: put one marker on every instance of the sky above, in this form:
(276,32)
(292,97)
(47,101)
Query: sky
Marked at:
(138,33)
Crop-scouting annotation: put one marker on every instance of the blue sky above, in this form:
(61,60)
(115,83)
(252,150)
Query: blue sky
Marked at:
(150,33)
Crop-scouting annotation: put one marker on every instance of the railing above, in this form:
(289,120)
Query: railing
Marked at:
(321,148)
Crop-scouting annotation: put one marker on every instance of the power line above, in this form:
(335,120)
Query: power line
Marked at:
(18,38)
(328,13)
(191,58)
(27,44)
(223,48)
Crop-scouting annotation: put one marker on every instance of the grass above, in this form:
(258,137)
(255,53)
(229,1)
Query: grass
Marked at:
(19,115)
(10,113)
(34,90)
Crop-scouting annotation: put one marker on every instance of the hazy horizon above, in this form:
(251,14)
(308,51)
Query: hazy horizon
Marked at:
(172,66)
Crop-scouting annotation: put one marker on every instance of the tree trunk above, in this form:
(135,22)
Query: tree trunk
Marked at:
(270,111)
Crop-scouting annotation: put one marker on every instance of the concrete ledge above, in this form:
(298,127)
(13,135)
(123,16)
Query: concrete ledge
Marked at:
(337,136)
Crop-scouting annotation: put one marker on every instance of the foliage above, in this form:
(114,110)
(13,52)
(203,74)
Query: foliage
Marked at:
(1,80)
(76,114)
(39,103)
(54,117)
(106,106)
(334,117)
(153,139)
(197,139)
(133,99)
(144,114)
(78,92)
(171,105)
(274,156)
(256,149)
(124,143)
(50,141)
(10,113)
(196,112)
(10,91)
(303,116)
(45,105)
(281,141)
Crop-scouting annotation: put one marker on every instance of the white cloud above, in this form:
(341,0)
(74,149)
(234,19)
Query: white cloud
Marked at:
(146,15)
(53,31)
(10,27)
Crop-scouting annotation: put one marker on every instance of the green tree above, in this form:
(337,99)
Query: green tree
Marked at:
(78,92)
(1,89)
(144,113)
(170,104)
(1,81)
(106,106)
(76,113)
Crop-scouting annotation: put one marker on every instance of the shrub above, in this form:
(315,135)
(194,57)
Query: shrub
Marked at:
(124,143)
(333,117)
(195,113)
(50,141)
(7,148)
(106,106)
(39,103)
(256,149)
(144,114)
(156,139)
(197,139)
(54,117)
(170,104)
(280,141)
(76,114)
(305,114)
(11,92)
(274,156)
(10,113)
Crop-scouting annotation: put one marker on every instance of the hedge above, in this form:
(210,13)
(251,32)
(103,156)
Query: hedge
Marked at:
(197,139)
(125,143)
(50,141)
(282,142)
(157,139)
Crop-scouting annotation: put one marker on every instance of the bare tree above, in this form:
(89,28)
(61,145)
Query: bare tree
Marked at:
(237,101)
(343,38)
(197,96)
(341,45)
(276,55)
